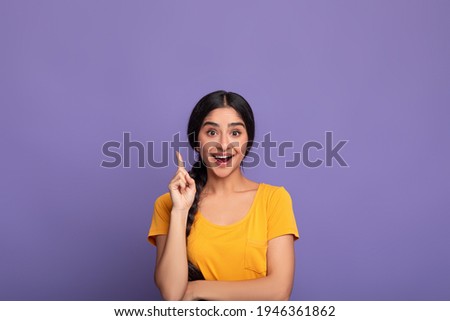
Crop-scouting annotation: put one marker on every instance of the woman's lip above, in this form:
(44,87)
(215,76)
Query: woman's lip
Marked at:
(222,155)
(223,162)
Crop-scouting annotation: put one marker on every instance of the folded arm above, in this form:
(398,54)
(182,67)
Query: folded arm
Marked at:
(277,285)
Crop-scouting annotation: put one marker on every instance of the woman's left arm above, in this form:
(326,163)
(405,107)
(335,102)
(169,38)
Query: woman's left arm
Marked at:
(277,285)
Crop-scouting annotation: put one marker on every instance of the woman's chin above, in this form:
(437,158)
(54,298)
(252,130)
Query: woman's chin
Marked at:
(222,171)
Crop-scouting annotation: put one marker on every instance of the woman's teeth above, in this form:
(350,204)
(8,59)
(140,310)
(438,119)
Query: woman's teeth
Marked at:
(222,159)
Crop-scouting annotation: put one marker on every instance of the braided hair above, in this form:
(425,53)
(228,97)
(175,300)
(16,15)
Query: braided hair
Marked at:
(199,172)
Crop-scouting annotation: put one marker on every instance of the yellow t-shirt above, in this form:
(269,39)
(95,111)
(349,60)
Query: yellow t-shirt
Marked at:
(237,251)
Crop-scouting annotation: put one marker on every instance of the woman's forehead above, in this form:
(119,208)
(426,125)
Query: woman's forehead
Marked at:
(223,115)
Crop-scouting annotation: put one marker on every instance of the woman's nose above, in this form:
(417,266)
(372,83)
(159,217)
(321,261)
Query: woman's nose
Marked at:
(224,141)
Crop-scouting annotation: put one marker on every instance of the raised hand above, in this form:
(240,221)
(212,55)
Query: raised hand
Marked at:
(182,187)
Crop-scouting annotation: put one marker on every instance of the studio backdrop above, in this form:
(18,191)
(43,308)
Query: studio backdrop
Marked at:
(351,103)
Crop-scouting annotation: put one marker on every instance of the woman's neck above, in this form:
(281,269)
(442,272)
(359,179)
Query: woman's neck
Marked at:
(235,182)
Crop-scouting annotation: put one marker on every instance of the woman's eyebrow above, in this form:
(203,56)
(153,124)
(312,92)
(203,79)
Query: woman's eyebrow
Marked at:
(210,123)
(236,124)
(217,125)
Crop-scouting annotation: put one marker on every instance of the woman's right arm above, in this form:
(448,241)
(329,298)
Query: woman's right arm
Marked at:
(171,272)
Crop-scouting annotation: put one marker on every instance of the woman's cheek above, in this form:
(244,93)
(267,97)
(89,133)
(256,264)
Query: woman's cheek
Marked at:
(243,148)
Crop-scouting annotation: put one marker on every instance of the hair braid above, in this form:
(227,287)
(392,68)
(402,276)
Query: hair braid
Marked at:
(199,174)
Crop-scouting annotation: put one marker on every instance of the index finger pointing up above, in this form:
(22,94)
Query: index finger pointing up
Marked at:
(179,160)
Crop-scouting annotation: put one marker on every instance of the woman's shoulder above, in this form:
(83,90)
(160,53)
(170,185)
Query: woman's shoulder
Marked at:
(164,201)
(274,193)
(270,189)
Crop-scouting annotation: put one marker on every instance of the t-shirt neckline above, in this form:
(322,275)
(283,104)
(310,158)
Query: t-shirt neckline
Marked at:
(204,219)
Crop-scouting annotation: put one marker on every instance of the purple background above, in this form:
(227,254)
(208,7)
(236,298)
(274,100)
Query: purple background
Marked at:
(75,74)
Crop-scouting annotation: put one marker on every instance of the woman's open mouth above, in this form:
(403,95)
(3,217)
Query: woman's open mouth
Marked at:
(223,160)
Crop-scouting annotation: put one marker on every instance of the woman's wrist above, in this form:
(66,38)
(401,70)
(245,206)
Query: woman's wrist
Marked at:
(193,291)
(179,214)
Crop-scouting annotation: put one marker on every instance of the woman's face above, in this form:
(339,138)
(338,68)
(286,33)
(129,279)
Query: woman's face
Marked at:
(223,141)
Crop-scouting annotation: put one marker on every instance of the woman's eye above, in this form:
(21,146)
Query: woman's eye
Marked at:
(235,133)
(211,132)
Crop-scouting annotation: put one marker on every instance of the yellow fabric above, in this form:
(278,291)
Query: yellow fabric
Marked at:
(236,251)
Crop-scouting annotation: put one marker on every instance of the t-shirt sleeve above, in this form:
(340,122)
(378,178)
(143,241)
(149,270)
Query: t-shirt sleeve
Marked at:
(281,219)
(160,218)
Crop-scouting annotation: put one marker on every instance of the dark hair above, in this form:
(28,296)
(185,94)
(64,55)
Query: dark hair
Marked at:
(198,172)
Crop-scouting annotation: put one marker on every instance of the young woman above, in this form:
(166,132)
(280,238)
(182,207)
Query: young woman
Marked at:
(219,235)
